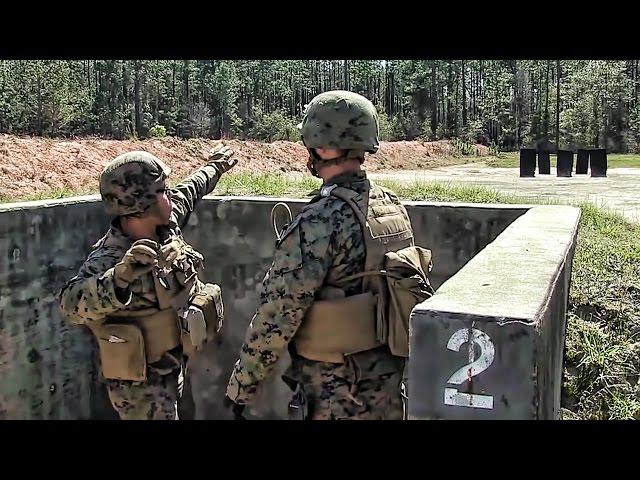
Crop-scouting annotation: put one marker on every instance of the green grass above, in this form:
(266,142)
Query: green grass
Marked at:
(270,185)
(602,358)
(449,192)
(53,193)
(617,160)
(275,185)
(235,184)
(614,160)
(603,336)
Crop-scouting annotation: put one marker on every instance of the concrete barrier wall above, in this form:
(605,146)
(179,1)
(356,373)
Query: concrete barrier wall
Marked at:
(48,369)
(489,344)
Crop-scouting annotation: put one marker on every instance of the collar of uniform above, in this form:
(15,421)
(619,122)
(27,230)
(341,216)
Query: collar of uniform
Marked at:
(346,179)
(114,237)
(116,230)
(117,233)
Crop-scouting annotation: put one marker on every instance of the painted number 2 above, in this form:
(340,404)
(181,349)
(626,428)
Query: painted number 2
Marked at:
(473,368)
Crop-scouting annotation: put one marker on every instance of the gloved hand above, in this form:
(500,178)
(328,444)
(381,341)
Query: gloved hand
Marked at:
(236,408)
(220,158)
(136,262)
(168,253)
(194,324)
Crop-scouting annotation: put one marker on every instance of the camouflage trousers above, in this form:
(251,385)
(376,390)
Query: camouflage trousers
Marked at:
(161,397)
(366,387)
(154,399)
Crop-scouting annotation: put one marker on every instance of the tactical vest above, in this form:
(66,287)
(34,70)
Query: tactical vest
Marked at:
(131,340)
(340,325)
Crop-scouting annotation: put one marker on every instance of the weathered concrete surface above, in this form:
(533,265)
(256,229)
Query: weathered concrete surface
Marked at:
(511,299)
(47,369)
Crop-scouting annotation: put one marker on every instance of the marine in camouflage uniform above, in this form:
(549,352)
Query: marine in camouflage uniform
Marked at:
(322,245)
(112,280)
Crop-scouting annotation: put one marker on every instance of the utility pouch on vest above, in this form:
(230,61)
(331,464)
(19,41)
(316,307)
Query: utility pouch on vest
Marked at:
(122,351)
(334,328)
(161,332)
(194,330)
(407,284)
(209,300)
(133,340)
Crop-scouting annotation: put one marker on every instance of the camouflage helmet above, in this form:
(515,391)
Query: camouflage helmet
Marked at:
(340,119)
(130,182)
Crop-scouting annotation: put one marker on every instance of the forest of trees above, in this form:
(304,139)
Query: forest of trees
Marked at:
(502,103)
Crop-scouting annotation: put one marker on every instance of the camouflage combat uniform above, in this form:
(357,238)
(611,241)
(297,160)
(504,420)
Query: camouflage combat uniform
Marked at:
(324,242)
(323,245)
(91,296)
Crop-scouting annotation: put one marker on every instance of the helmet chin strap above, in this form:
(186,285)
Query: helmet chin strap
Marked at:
(311,166)
(314,159)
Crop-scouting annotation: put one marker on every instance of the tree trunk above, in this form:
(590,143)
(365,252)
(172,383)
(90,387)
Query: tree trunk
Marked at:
(449,98)
(157,96)
(464,99)
(596,123)
(173,85)
(546,103)
(346,75)
(136,98)
(434,99)
(125,99)
(558,74)
(185,81)
(40,103)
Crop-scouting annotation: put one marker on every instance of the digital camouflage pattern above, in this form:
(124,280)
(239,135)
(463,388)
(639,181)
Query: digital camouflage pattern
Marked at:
(154,399)
(129,183)
(340,119)
(366,387)
(91,295)
(324,242)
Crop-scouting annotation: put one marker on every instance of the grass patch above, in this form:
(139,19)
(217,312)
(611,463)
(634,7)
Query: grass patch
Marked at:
(623,160)
(269,185)
(449,192)
(603,336)
(49,194)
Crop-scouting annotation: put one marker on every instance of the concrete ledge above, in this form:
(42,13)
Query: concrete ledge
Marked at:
(510,300)
(35,204)
(10,206)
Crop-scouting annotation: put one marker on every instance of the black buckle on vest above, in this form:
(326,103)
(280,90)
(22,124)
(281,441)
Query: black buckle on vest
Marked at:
(163,278)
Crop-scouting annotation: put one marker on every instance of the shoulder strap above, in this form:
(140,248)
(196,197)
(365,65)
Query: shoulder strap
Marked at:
(349,197)
(374,250)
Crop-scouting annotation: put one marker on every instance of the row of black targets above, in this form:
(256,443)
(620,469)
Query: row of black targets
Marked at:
(596,158)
